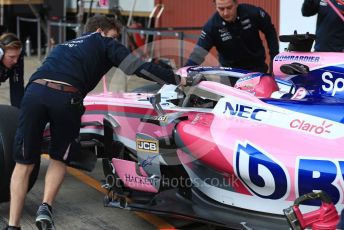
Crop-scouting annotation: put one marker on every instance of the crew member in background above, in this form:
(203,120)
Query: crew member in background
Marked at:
(234,31)
(12,66)
(330,27)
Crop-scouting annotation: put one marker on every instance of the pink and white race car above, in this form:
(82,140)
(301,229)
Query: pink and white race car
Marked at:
(233,153)
(234,156)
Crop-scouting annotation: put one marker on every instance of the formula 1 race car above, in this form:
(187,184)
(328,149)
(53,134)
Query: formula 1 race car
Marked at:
(233,153)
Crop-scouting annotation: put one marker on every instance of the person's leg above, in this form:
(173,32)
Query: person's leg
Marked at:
(64,130)
(26,149)
(53,180)
(19,187)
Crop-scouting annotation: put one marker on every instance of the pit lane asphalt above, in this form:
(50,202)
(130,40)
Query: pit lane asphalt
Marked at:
(79,204)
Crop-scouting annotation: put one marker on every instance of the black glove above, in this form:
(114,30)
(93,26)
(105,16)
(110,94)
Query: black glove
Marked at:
(194,79)
(3,73)
(164,63)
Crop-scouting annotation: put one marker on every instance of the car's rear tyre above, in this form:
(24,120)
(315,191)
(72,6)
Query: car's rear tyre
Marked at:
(8,125)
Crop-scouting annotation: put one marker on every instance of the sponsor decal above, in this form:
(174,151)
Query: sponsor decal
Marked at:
(297,58)
(225,37)
(203,34)
(262,13)
(249,77)
(160,118)
(247,27)
(309,127)
(260,172)
(223,30)
(148,161)
(236,110)
(147,146)
(247,85)
(268,178)
(137,179)
(299,94)
(73,43)
(243,111)
(332,86)
(224,34)
(208,68)
(245,21)
(246,24)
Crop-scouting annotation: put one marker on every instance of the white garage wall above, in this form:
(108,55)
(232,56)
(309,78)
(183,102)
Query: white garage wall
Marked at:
(140,5)
(291,19)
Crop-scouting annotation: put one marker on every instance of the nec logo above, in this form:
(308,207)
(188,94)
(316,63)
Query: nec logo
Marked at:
(147,146)
(243,111)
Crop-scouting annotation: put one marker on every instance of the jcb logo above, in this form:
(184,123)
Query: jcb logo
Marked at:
(147,146)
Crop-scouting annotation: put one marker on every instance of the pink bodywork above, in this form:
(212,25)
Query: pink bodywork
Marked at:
(314,60)
(213,138)
(127,109)
(126,170)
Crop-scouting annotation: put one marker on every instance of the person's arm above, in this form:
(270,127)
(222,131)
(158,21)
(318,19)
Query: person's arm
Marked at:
(154,72)
(131,64)
(204,44)
(310,7)
(266,26)
(17,83)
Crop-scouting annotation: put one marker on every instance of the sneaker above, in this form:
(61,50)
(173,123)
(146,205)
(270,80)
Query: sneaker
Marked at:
(44,219)
(12,228)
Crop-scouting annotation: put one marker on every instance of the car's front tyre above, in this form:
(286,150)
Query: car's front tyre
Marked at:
(8,125)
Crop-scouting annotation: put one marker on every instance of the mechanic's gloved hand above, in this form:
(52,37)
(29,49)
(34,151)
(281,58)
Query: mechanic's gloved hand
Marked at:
(194,79)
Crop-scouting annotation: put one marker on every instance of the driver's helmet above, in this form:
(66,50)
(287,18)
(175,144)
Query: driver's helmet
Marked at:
(259,84)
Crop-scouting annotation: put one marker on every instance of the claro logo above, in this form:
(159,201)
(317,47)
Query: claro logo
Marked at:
(308,127)
(332,86)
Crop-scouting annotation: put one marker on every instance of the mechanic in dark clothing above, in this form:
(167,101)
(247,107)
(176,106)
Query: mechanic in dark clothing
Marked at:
(234,31)
(329,29)
(12,66)
(55,94)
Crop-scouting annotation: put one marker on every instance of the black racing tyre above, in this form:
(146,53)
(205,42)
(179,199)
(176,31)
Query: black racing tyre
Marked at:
(8,125)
